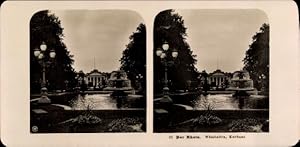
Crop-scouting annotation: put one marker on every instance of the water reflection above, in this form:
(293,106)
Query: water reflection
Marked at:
(226,101)
(104,101)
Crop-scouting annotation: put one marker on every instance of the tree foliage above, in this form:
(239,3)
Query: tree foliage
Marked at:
(169,26)
(133,61)
(256,61)
(46,27)
(204,81)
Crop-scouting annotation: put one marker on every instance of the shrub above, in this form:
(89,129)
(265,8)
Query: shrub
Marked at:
(206,120)
(87,117)
(204,103)
(245,125)
(126,125)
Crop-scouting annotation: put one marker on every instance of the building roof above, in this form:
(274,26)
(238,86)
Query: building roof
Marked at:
(95,71)
(219,72)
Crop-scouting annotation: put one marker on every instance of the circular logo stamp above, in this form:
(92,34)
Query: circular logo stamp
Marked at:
(34,129)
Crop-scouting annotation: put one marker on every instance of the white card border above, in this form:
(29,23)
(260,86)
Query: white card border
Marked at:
(284,53)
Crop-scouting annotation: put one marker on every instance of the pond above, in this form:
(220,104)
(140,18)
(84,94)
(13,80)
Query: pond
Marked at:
(99,101)
(227,102)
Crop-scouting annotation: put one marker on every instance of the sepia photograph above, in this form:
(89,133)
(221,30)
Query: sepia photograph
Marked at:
(145,73)
(211,71)
(87,71)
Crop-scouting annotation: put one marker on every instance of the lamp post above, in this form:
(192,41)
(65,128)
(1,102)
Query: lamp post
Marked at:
(162,53)
(40,54)
(262,80)
(138,78)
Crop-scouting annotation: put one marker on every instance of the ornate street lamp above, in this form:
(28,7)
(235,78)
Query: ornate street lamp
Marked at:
(162,53)
(138,78)
(39,53)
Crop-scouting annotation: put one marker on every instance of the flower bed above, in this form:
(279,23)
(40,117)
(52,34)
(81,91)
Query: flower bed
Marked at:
(126,125)
(82,124)
(215,124)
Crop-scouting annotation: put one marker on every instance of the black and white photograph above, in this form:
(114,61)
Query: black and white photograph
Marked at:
(87,71)
(211,71)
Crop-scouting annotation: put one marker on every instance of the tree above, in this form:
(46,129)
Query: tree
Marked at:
(133,61)
(169,26)
(82,84)
(204,79)
(46,27)
(256,61)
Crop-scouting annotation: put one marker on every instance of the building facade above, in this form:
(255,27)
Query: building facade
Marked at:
(96,79)
(219,79)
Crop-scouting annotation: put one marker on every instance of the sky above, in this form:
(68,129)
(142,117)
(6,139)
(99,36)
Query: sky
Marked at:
(220,38)
(97,35)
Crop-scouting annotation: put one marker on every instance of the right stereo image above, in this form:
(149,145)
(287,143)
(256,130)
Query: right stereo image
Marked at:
(211,71)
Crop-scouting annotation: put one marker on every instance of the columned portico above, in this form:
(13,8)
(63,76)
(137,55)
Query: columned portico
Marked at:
(95,78)
(218,78)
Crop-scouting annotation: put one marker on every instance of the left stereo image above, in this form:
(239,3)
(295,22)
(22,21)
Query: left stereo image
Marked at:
(87,71)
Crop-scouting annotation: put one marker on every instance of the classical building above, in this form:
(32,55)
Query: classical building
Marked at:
(219,79)
(96,79)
